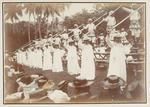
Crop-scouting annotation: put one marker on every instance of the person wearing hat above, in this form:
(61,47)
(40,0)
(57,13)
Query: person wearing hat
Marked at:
(76,32)
(135,17)
(47,58)
(117,64)
(72,58)
(57,53)
(113,88)
(124,35)
(111,21)
(87,60)
(91,30)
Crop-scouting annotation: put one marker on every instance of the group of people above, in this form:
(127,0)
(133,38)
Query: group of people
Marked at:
(47,54)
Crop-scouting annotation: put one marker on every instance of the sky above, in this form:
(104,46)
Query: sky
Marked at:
(73,9)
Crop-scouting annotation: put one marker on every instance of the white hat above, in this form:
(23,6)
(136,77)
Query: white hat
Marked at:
(89,19)
(59,96)
(75,25)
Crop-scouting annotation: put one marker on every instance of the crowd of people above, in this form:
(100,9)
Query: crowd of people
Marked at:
(49,53)
(79,49)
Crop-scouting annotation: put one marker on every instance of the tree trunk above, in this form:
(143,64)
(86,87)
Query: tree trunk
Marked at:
(39,27)
(29,37)
(35,36)
(47,27)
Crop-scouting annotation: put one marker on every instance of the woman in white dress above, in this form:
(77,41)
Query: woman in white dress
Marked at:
(39,57)
(72,58)
(117,64)
(57,58)
(87,60)
(47,58)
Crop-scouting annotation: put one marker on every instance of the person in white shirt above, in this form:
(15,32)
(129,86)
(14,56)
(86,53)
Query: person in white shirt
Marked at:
(123,35)
(64,38)
(57,58)
(76,32)
(91,30)
(111,21)
(101,39)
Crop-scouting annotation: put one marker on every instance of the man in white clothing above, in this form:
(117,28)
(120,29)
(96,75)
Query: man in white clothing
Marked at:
(91,30)
(111,21)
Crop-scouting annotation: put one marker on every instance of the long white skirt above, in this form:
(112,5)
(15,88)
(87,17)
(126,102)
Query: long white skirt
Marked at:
(117,64)
(57,61)
(87,64)
(47,61)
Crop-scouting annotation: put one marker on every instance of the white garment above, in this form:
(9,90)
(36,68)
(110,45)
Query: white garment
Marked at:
(111,21)
(57,60)
(72,60)
(29,58)
(19,59)
(40,58)
(87,63)
(47,59)
(91,27)
(123,35)
(117,64)
(24,58)
(65,36)
(58,96)
(135,15)
(127,48)
(76,31)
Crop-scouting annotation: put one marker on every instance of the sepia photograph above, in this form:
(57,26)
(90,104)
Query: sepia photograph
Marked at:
(74,53)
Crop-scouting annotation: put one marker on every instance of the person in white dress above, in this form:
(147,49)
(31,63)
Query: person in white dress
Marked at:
(117,64)
(72,58)
(57,58)
(39,57)
(47,58)
(91,30)
(64,38)
(87,60)
(111,21)
(18,55)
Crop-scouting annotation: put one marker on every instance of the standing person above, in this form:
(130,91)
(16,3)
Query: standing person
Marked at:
(72,58)
(135,17)
(39,57)
(87,60)
(76,32)
(57,58)
(101,39)
(123,35)
(91,30)
(111,21)
(117,64)
(47,58)
(64,38)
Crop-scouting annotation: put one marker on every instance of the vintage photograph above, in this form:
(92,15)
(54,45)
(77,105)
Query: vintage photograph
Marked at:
(74,52)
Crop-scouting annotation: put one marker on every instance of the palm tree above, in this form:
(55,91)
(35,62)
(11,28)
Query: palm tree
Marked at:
(30,9)
(43,10)
(12,11)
